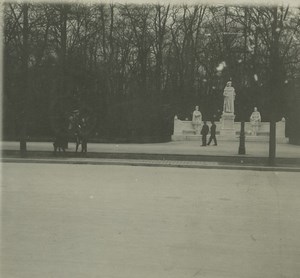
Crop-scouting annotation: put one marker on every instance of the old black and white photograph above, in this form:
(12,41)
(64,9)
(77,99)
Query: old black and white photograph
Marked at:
(150,139)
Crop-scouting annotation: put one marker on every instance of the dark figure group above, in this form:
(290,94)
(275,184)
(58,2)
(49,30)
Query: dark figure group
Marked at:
(204,133)
(79,130)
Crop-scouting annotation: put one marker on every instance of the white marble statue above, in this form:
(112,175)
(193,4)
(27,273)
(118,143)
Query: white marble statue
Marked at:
(197,120)
(255,120)
(229,96)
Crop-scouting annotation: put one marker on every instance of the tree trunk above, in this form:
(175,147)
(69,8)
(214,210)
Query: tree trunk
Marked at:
(63,49)
(24,96)
(275,86)
(242,148)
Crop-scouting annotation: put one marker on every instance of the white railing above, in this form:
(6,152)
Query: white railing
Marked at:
(184,130)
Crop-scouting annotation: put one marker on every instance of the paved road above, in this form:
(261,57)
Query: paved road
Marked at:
(132,222)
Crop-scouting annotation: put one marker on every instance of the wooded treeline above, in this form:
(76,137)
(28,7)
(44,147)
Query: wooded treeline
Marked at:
(133,67)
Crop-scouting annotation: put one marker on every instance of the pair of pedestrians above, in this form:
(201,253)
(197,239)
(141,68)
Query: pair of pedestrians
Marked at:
(204,132)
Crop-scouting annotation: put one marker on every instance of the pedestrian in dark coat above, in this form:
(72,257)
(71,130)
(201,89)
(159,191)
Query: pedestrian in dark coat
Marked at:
(212,134)
(204,133)
(61,141)
(81,136)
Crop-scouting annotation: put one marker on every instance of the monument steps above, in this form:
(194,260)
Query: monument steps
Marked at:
(184,131)
(189,132)
(264,133)
(192,132)
(248,138)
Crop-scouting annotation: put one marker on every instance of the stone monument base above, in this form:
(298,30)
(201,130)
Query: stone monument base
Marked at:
(227,126)
(184,131)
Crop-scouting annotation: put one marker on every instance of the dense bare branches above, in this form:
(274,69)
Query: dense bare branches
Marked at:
(174,55)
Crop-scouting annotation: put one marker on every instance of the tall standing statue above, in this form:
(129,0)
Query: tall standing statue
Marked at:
(229,96)
(197,120)
(255,120)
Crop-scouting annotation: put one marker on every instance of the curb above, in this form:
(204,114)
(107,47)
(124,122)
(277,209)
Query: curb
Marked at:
(236,159)
(152,163)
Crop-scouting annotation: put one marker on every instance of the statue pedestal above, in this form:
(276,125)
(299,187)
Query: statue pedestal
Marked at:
(197,128)
(227,126)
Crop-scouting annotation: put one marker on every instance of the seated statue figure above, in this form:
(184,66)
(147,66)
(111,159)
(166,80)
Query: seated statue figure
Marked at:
(255,120)
(197,120)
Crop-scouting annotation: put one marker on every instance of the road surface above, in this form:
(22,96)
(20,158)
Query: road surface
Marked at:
(146,222)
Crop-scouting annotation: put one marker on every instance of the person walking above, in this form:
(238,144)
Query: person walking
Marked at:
(212,134)
(204,133)
(81,136)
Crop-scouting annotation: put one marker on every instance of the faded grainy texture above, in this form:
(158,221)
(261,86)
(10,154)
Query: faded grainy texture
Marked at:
(113,221)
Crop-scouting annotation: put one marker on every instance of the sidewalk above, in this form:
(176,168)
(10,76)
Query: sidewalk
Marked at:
(174,154)
(224,148)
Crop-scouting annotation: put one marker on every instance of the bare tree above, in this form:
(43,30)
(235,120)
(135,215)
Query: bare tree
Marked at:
(25,97)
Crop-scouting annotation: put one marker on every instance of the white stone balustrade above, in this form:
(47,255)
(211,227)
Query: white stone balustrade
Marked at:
(184,131)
